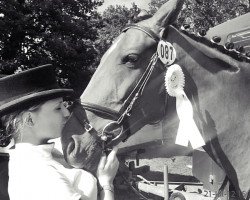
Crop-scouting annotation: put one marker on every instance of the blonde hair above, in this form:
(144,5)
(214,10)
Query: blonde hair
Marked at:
(13,122)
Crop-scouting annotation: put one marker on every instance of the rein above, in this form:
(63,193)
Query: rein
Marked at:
(120,118)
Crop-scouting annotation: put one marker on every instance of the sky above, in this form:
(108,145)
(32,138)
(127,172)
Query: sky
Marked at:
(143,4)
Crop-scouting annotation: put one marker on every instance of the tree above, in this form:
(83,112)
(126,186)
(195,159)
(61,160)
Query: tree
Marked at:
(114,19)
(202,14)
(36,32)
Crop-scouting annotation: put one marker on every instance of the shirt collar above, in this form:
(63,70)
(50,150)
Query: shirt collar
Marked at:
(43,150)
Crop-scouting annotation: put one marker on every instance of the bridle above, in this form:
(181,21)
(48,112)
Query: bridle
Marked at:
(121,118)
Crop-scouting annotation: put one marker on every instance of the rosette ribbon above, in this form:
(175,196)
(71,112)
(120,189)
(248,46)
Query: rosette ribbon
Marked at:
(187,130)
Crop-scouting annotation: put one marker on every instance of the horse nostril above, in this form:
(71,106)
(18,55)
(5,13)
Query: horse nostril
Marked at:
(74,156)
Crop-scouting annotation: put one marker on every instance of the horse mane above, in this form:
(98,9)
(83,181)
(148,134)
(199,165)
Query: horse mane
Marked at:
(233,53)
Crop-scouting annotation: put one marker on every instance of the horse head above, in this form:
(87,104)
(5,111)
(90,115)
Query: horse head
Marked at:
(125,93)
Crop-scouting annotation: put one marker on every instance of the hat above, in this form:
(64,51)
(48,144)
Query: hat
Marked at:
(19,91)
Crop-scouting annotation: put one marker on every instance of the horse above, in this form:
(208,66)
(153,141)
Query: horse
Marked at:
(127,92)
(125,104)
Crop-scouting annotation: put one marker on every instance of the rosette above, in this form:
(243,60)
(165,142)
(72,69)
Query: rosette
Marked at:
(187,130)
(174,80)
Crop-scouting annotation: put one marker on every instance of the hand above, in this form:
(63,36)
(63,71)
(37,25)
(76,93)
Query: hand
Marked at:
(107,168)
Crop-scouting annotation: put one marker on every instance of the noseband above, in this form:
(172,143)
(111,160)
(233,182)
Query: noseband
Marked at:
(121,118)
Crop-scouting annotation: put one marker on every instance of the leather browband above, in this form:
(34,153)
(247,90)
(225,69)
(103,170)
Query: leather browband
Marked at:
(144,29)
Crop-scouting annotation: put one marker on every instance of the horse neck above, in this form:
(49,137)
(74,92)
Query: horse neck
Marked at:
(217,86)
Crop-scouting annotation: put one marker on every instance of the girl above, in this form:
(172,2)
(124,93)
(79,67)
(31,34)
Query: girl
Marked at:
(32,112)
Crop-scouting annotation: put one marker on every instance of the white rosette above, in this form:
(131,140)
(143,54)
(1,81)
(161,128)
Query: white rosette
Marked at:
(187,130)
(174,80)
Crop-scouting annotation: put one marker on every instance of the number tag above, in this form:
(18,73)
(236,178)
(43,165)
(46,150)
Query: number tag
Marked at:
(166,52)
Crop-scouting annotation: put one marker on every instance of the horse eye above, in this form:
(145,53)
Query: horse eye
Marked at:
(131,58)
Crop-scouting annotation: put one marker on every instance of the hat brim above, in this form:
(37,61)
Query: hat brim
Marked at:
(33,99)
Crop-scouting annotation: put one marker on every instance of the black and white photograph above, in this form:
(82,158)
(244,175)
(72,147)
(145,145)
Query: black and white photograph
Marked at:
(124,99)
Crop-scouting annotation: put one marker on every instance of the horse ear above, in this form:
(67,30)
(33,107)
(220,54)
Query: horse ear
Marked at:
(166,15)
(168,12)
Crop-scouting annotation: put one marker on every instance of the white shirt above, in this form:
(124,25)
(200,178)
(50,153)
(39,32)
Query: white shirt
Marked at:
(37,173)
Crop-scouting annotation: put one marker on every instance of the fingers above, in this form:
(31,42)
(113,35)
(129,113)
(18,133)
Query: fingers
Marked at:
(102,161)
(113,152)
(106,161)
(107,168)
(112,156)
(115,149)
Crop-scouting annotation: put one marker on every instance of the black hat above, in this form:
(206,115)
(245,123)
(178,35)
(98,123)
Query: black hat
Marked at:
(21,90)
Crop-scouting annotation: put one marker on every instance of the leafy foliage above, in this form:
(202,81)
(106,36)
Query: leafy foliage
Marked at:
(114,19)
(36,32)
(202,14)
(71,35)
